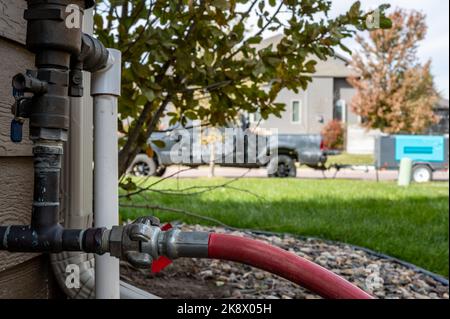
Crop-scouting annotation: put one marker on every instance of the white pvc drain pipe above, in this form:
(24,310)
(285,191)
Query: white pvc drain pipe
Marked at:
(106,90)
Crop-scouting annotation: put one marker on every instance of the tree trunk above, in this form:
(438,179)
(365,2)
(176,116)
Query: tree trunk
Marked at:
(132,147)
(212,160)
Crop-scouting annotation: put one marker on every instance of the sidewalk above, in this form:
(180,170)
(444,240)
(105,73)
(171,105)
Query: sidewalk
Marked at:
(358,173)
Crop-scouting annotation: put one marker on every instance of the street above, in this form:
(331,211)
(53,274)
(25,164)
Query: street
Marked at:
(357,173)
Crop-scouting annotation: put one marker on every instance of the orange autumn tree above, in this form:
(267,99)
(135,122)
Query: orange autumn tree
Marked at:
(395,93)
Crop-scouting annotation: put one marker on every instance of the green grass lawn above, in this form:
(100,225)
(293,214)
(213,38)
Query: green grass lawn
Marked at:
(351,159)
(411,224)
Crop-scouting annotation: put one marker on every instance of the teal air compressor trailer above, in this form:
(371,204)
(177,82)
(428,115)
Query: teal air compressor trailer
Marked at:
(428,153)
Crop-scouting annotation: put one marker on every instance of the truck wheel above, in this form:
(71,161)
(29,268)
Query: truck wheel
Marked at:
(282,166)
(422,174)
(160,171)
(143,166)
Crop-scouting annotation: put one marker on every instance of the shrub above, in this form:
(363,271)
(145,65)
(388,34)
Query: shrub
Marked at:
(333,135)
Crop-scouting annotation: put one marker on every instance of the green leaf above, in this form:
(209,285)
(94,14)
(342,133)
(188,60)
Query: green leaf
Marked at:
(98,22)
(310,66)
(208,57)
(260,22)
(254,40)
(149,94)
(159,143)
(261,5)
(355,10)
(221,4)
(191,115)
(129,186)
(385,23)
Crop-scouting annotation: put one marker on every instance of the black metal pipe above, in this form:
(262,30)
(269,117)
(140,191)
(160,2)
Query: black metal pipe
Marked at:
(61,55)
(47,175)
(54,239)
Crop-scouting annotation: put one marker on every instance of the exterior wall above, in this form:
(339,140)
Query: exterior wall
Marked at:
(21,275)
(333,67)
(285,124)
(320,104)
(361,141)
(344,91)
(316,109)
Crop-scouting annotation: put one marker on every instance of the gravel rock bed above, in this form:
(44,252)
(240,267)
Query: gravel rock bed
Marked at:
(200,278)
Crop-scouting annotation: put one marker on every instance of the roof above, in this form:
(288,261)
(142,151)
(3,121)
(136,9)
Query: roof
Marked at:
(336,67)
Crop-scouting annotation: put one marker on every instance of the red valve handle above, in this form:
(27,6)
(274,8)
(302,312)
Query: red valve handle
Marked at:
(162,262)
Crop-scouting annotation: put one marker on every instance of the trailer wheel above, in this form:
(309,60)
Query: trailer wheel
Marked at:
(422,174)
(282,166)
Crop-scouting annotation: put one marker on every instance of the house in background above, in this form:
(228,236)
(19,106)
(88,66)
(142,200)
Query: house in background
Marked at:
(328,97)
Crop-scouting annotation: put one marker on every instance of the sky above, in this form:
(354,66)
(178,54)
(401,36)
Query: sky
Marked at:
(436,44)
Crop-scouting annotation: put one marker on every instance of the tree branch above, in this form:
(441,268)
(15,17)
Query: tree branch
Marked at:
(261,31)
(178,211)
(154,184)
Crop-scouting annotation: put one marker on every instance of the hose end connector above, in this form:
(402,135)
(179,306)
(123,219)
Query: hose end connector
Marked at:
(126,242)
(143,242)
(175,244)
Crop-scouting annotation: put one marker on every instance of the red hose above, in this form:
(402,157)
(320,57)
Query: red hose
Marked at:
(284,264)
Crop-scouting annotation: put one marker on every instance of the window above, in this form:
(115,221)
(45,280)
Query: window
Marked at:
(340,111)
(296,108)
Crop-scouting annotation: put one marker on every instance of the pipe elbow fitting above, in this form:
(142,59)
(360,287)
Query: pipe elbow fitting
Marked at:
(94,55)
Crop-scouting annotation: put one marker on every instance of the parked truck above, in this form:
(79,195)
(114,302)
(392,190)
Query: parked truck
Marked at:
(428,153)
(279,156)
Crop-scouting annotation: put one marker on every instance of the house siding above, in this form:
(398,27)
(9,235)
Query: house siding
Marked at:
(316,108)
(21,275)
(320,103)
(285,125)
